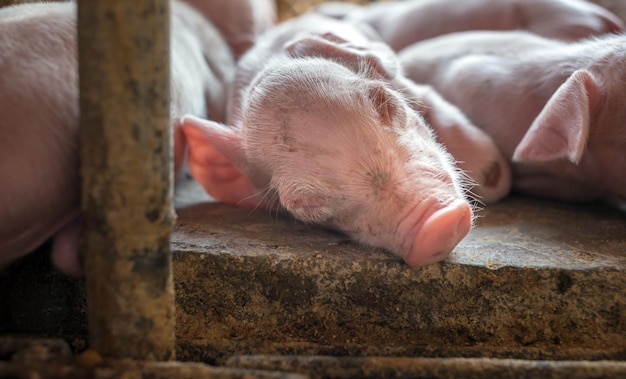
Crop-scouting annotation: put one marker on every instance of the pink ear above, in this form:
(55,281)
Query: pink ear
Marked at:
(375,57)
(179,144)
(215,152)
(383,103)
(562,128)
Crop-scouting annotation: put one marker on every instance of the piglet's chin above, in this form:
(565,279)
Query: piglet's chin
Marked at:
(431,236)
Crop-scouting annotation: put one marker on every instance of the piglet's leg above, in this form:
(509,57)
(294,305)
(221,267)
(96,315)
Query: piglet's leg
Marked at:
(475,152)
(65,249)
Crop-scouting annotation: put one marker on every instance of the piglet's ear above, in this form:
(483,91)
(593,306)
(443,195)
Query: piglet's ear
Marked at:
(562,128)
(215,153)
(376,59)
(383,103)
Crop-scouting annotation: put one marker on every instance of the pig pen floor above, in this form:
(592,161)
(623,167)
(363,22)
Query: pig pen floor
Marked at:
(536,287)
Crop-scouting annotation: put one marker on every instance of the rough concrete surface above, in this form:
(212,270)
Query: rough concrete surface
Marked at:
(51,358)
(531,274)
(385,367)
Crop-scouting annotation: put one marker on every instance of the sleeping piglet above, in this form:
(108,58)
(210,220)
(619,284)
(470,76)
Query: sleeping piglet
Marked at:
(556,109)
(239,21)
(402,23)
(324,126)
(40,192)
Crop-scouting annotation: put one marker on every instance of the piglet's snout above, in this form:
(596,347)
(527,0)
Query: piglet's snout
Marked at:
(430,235)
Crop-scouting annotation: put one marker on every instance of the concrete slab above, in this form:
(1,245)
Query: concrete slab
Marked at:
(532,275)
(386,367)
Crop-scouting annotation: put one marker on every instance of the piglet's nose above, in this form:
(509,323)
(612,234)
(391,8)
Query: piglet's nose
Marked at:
(440,233)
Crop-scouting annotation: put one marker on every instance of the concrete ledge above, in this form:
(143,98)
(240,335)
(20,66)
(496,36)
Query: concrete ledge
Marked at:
(532,274)
(381,367)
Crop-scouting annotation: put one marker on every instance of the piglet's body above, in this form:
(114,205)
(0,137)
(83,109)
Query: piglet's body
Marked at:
(402,23)
(40,192)
(321,128)
(239,21)
(556,109)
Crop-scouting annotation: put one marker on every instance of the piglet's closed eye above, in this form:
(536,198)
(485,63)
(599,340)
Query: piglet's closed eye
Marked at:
(214,153)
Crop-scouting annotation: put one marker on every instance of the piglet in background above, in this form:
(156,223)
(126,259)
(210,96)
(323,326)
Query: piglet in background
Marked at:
(324,126)
(202,71)
(557,110)
(239,21)
(40,193)
(402,23)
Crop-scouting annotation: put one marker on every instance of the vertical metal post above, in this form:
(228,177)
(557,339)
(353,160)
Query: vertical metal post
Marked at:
(126,171)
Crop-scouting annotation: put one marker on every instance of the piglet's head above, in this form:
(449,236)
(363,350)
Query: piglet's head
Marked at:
(334,147)
(581,135)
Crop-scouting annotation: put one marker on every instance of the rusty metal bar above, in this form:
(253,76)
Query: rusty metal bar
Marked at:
(126,173)
(6,3)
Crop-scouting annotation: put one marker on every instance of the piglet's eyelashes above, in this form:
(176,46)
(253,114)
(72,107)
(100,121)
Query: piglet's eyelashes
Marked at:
(376,63)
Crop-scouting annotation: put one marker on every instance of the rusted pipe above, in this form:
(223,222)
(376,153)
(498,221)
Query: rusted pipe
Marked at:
(126,175)
(6,3)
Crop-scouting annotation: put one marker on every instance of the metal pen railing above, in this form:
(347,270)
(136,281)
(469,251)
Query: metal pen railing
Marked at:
(126,171)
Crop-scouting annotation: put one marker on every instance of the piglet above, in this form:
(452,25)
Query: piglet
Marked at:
(202,71)
(556,109)
(239,21)
(402,23)
(40,192)
(320,127)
